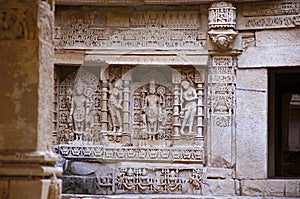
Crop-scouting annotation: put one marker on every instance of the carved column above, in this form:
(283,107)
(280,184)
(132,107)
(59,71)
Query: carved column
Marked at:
(27,164)
(126,101)
(104,105)
(176,79)
(200,103)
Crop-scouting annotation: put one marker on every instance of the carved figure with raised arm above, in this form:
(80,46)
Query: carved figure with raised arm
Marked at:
(115,105)
(189,97)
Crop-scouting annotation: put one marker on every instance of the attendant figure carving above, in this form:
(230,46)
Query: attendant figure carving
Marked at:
(115,106)
(79,111)
(189,97)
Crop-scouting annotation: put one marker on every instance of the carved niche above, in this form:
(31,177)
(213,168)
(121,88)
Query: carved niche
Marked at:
(132,111)
(79,108)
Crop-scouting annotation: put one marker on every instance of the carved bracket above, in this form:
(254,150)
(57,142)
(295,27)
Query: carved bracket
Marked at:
(223,39)
(222,21)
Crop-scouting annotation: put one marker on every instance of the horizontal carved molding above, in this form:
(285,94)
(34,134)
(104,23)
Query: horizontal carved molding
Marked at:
(102,153)
(267,8)
(269,22)
(149,59)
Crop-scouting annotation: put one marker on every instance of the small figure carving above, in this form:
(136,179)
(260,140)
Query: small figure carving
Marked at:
(152,109)
(115,106)
(189,111)
(79,111)
(129,183)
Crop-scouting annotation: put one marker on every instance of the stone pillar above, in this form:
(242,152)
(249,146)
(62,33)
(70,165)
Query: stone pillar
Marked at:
(27,164)
(221,100)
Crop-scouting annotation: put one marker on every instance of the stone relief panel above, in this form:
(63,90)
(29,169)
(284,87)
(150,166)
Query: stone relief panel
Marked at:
(79,108)
(137,179)
(271,14)
(132,113)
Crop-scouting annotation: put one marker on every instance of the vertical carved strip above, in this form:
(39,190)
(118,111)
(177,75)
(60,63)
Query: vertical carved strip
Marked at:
(200,110)
(126,101)
(104,105)
(176,79)
(221,109)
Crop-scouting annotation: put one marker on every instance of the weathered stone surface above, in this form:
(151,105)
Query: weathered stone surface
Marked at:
(117,17)
(262,188)
(27,163)
(218,173)
(277,38)
(218,187)
(19,84)
(83,168)
(292,188)
(251,124)
(273,57)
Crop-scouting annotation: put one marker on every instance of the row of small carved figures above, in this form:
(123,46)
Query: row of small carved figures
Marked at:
(138,180)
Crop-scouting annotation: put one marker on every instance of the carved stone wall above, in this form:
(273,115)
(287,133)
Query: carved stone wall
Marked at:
(134,113)
(155,107)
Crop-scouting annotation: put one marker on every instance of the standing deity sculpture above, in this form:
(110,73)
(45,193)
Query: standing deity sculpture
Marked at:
(152,109)
(79,111)
(115,106)
(189,97)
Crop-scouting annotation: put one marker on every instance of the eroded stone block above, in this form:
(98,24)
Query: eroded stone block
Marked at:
(292,188)
(262,188)
(218,187)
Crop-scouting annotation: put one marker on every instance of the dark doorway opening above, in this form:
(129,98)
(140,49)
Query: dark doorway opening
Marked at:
(284,122)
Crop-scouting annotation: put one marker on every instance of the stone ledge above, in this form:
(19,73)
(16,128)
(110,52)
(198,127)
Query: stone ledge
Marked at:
(270,187)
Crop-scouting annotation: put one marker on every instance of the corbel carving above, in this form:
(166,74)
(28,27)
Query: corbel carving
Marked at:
(222,21)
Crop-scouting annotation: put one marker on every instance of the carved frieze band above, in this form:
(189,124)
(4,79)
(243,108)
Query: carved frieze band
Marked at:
(144,29)
(265,8)
(83,36)
(103,153)
(272,14)
(139,180)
